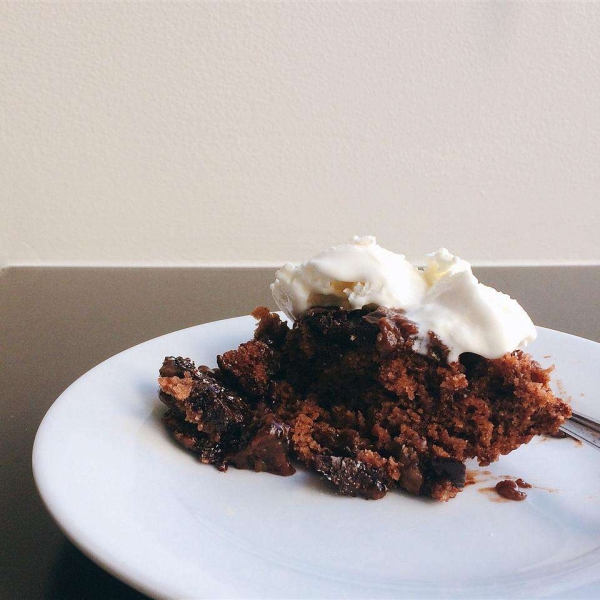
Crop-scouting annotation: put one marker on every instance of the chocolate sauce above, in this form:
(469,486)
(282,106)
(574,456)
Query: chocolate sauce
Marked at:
(508,489)
(523,484)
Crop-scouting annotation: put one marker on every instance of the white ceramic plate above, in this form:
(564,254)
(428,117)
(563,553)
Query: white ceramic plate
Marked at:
(149,513)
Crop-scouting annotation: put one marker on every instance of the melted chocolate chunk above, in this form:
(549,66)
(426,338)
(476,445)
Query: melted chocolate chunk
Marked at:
(395,331)
(508,489)
(205,402)
(217,411)
(177,366)
(340,327)
(441,474)
(447,469)
(267,448)
(353,477)
(189,437)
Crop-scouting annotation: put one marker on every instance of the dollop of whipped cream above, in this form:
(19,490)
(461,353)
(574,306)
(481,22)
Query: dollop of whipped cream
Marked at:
(445,298)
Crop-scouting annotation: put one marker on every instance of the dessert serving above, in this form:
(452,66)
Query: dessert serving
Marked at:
(386,376)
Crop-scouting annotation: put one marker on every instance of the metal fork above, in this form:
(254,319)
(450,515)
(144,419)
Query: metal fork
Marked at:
(583,428)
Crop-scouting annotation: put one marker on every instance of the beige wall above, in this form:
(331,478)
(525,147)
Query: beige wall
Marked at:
(257,132)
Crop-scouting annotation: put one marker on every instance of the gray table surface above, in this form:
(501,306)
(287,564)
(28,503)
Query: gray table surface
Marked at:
(57,323)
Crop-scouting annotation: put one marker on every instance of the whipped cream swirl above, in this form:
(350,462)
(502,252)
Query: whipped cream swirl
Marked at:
(445,298)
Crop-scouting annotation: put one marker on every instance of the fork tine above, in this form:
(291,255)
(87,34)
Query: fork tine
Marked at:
(583,428)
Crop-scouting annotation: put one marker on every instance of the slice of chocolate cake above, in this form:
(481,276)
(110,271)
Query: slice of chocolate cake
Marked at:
(351,400)
(366,396)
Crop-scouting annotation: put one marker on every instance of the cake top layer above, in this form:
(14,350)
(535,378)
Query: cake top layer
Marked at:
(445,297)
